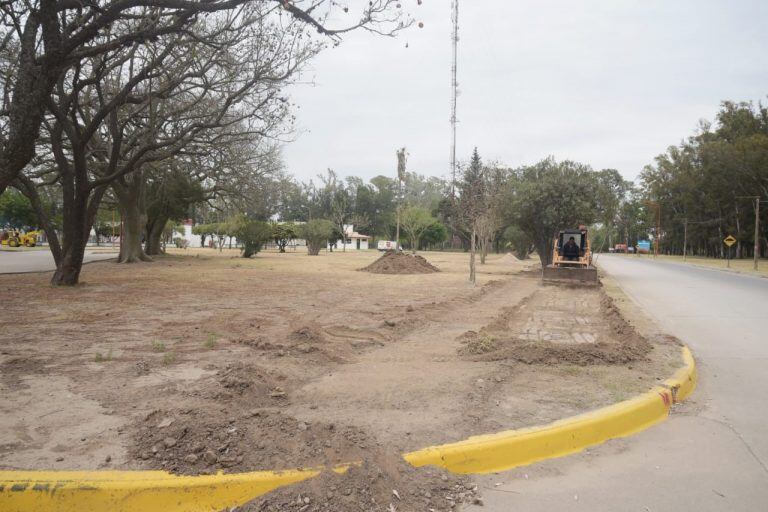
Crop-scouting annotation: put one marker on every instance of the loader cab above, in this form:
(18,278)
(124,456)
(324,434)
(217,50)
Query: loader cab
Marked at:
(579,236)
(570,269)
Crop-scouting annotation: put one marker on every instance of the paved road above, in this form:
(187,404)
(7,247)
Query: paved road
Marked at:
(712,454)
(41,260)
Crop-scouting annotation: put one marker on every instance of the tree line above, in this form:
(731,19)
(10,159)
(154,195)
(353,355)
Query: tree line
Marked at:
(696,193)
(705,187)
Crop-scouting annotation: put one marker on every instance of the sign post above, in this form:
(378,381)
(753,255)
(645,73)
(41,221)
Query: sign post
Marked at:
(729,241)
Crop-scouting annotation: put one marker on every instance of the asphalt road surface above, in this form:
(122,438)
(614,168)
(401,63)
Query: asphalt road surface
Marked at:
(712,454)
(12,262)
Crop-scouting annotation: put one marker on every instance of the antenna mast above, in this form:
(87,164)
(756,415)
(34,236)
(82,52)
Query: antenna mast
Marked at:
(454,92)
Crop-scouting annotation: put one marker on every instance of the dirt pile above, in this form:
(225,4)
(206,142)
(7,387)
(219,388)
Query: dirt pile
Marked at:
(549,353)
(241,381)
(389,484)
(474,343)
(309,342)
(307,334)
(392,262)
(205,440)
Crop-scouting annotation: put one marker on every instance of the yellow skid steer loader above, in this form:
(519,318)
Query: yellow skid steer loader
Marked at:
(571,259)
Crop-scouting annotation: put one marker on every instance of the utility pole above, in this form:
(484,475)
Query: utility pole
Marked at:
(658,228)
(685,238)
(756,256)
(757,231)
(626,239)
(657,235)
(401,159)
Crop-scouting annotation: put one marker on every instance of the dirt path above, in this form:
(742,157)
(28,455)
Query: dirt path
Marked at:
(402,390)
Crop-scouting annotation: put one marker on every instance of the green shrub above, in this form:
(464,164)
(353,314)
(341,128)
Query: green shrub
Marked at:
(316,233)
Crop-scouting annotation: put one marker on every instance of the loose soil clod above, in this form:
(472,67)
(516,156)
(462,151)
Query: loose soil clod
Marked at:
(392,262)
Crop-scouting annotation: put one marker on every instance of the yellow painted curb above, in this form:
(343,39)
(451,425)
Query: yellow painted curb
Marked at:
(150,491)
(505,450)
(136,491)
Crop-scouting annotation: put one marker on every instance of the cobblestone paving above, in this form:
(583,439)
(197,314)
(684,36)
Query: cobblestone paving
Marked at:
(561,315)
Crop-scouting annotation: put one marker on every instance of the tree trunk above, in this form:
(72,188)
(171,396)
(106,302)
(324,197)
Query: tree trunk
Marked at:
(27,187)
(609,238)
(71,263)
(79,214)
(472,250)
(397,231)
(154,235)
(131,250)
(544,248)
(130,201)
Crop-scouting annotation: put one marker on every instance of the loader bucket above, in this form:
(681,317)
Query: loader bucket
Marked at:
(573,275)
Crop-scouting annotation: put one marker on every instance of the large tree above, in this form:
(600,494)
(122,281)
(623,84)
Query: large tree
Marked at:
(415,221)
(611,191)
(473,204)
(550,196)
(42,40)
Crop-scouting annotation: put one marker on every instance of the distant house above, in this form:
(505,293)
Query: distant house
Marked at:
(194,240)
(355,241)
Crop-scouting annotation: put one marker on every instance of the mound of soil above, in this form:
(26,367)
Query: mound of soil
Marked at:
(474,343)
(206,440)
(241,380)
(392,262)
(307,334)
(386,484)
(549,353)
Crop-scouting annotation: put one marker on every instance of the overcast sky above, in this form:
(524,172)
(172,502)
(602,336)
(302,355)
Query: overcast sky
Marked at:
(609,83)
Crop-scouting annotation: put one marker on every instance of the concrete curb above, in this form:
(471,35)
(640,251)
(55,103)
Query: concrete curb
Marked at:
(506,450)
(146,491)
(158,491)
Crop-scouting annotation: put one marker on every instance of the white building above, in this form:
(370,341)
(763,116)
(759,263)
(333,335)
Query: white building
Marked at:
(355,241)
(194,240)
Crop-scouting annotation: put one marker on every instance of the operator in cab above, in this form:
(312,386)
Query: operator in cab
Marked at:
(571,250)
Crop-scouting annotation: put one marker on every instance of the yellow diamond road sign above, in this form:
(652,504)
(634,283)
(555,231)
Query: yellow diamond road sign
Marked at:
(729,240)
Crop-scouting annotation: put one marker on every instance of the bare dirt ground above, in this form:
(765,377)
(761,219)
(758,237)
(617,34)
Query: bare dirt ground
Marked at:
(202,361)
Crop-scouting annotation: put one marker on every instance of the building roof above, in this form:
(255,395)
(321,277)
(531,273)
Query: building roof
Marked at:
(350,233)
